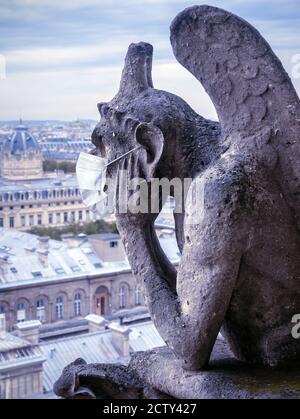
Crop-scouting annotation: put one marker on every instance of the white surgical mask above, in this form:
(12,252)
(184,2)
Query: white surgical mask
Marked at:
(91,176)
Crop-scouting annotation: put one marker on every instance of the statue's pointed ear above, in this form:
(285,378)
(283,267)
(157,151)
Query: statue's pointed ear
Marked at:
(152,139)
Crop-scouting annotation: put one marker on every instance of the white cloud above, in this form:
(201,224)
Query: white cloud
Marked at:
(49,80)
(61,57)
(57,95)
(75,93)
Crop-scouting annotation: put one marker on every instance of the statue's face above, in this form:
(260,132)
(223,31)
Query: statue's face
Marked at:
(105,137)
(117,134)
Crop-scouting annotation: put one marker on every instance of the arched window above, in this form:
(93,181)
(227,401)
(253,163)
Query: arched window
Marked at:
(40,310)
(77,305)
(138,297)
(122,297)
(21,313)
(59,307)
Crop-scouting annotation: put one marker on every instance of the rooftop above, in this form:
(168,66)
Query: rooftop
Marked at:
(10,342)
(21,262)
(105,236)
(45,183)
(17,353)
(94,348)
(20,142)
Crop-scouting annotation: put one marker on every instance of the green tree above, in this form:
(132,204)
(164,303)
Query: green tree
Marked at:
(65,166)
(55,233)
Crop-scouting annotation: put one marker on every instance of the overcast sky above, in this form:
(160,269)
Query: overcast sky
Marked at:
(64,56)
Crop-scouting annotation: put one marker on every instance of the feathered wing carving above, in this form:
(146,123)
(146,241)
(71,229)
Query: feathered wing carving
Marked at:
(253,95)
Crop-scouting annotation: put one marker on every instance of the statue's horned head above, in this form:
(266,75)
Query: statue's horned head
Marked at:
(119,130)
(136,75)
(137,72)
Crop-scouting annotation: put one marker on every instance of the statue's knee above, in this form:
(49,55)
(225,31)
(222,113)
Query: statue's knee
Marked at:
(192,365)
(194,362)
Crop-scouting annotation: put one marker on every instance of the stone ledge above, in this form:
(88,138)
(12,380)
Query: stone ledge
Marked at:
(226,377)
(157,374)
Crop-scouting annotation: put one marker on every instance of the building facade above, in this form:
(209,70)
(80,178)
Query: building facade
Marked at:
(52,281)
(69,299)
(21,156)
(48,202)
(59,281)
(21,362)
(28,197)
(62,149)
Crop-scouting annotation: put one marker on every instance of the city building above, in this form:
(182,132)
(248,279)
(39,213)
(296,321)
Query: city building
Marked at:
(46,202)
(111,344)
(21,362)
(61,300)
(59,283)
(29,365)
(28,197)
(64,149)
(21,156)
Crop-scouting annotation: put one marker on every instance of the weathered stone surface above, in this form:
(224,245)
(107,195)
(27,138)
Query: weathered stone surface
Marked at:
(226,378)
(157,374)
(80,380)
(240,266)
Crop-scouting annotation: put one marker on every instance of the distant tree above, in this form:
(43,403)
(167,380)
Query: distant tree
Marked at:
(65,166)
(50,165)
(55,233)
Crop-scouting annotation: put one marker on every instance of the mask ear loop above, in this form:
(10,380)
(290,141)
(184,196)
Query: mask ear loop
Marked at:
(118,159)
(123,155)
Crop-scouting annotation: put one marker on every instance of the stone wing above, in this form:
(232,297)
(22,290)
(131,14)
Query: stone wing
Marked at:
(252,93)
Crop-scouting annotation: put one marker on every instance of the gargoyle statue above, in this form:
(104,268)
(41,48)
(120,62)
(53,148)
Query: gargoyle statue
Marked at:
(240,265)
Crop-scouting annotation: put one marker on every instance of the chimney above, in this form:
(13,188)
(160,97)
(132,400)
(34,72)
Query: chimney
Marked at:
(29,331)
(108,247)
(3,263)
(43,243)
(70,240)
(2,325)
(43,250)
(120,338)
(43,257)
(96,323)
